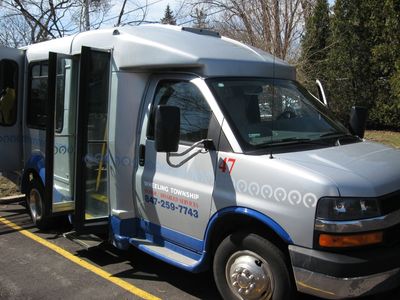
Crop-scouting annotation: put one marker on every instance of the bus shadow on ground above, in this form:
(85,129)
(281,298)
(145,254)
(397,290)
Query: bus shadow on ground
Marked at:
(144,267)
(17,215)
(136,264)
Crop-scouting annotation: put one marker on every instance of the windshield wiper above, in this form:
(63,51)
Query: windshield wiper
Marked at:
(289,141)
(339,136)
(293,139)
(336,134)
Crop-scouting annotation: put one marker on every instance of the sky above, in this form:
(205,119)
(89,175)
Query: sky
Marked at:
(155,12)
(156,8)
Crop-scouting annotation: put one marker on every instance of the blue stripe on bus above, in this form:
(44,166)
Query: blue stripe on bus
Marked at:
(144,229)
(126,230)
(236,210)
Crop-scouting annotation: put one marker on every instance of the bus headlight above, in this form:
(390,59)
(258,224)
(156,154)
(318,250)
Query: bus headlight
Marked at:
(347,209)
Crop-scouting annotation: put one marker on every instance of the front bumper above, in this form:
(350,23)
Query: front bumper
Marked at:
(337,276)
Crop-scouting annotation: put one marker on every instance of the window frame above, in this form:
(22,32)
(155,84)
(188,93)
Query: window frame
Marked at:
(62,111)
(16,92)
(151,119)
(245,146)
(29,100)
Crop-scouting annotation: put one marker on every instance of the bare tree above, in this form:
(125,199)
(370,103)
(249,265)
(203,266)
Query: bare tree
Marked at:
(42,20)
(134,12)
(92,10)
(31,21)
(41,17)
(15,33)
(273,25)
(121,13)
(200,18)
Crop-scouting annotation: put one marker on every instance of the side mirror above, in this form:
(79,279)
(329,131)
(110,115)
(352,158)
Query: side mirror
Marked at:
(358,120)
(167,128)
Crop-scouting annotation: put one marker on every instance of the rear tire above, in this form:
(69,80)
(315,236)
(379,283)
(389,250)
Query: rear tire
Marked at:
(35,203)
(247,266)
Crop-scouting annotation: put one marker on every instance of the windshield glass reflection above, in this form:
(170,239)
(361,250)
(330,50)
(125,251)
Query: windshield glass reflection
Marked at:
(265,112)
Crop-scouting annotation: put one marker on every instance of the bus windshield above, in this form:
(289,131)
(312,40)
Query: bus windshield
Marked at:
(269,112)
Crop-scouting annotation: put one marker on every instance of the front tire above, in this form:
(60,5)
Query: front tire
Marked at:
(247,266)
(35,203)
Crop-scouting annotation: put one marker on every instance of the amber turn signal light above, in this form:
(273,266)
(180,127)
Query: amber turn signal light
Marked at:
(353,240)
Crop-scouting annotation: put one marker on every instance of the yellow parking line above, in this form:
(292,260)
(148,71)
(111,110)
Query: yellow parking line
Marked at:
(123,284)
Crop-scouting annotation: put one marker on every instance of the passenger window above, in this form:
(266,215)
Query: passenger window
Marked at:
(38,94)
(195,112)
(8,92)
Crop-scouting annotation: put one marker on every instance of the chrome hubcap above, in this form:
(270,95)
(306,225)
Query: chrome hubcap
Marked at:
(249,276)
(35,204)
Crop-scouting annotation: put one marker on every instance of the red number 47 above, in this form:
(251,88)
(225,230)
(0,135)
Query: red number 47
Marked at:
(227,165)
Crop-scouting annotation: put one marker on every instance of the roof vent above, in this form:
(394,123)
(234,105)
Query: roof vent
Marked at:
(201,31)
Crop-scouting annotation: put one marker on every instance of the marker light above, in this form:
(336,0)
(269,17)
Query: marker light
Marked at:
(353,240)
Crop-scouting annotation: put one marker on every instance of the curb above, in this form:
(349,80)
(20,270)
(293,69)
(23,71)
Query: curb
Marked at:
(12,199)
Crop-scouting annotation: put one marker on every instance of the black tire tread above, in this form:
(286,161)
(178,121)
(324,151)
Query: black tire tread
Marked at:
(44,223)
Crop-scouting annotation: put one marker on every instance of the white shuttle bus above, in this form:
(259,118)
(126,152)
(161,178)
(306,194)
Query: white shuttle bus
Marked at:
(202,152)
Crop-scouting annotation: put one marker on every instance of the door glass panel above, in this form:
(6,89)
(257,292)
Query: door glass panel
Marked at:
(195,112)
(96,199)
(12,62)
(64,137)
(38,95)
(8,90)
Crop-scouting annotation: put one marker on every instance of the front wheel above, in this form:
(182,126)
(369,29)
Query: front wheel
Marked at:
(247,266)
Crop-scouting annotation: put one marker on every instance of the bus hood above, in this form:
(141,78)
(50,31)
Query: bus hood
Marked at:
(364,169)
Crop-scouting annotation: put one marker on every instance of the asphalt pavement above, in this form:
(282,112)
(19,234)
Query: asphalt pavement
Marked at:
(31,270)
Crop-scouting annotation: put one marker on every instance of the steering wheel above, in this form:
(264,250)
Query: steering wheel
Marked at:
(287,114)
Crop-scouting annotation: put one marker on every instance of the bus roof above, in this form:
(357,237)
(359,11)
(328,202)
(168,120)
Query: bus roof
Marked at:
(166,47)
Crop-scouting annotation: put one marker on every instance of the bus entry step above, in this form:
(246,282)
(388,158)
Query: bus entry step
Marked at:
(88,241)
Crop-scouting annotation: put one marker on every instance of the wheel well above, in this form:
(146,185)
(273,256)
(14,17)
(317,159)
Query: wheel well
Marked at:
(231,223)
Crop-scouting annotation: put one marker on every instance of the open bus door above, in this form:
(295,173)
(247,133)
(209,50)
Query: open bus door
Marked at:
(92,204)
(61,134)
(76,139)
(12,62)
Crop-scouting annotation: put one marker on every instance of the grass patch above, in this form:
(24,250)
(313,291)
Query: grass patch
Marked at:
(390,138)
